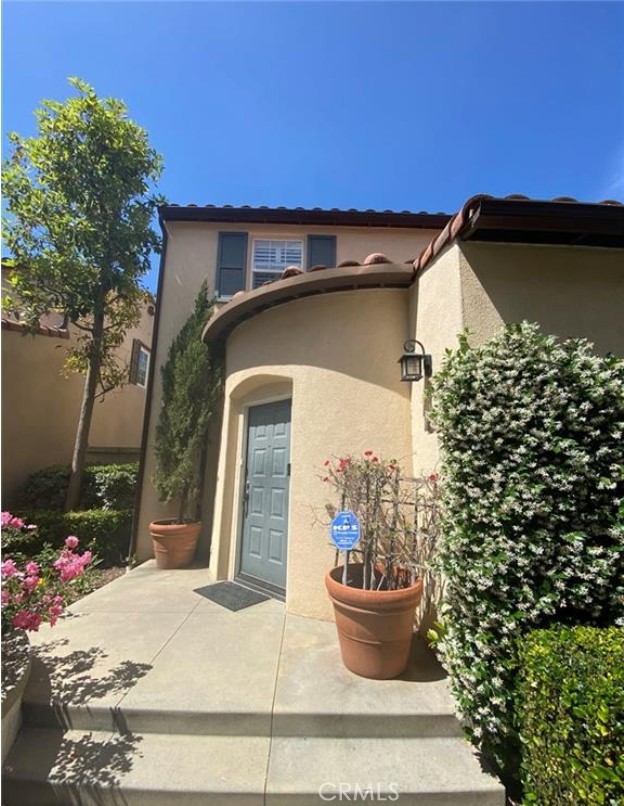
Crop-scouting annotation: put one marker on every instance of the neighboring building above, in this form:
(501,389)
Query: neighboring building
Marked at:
(40,406)
(311,358)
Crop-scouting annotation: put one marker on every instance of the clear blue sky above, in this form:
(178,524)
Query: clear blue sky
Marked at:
(368,105)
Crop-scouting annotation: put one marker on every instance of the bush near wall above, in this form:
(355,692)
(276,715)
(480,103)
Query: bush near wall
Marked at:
(106,486)
(532,439)
(571,716)
(105,532)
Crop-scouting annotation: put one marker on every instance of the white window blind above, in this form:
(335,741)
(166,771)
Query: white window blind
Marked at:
(271,257)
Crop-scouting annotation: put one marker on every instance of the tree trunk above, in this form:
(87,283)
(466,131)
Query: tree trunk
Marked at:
(81,443)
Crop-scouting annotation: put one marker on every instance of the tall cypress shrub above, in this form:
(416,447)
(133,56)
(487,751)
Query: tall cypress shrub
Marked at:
(191,393)
(532,438)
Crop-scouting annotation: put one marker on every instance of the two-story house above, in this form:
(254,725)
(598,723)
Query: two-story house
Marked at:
(315,307)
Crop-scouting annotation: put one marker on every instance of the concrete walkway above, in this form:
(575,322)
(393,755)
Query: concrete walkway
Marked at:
(147,692)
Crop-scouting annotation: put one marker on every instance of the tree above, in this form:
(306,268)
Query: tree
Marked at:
(191,395)
(80,200)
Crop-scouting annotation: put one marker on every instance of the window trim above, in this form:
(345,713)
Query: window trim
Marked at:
(137,348)
(146,351)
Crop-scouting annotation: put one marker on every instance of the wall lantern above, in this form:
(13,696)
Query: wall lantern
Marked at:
(414,365)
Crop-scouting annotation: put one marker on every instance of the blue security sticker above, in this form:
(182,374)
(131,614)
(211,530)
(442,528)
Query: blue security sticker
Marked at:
(345,530)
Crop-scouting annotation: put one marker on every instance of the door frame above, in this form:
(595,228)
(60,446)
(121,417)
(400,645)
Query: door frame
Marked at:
(249,581)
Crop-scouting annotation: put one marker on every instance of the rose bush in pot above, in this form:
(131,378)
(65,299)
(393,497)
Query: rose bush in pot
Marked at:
(376,592)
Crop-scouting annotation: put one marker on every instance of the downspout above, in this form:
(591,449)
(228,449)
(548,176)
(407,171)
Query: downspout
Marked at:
(134,534)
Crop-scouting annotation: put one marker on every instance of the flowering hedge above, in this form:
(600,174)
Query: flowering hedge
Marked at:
(532,439)
(33,591)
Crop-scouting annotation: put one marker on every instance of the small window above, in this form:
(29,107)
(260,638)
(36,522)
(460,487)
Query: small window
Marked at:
(142,366)
(271,257)
(139,364)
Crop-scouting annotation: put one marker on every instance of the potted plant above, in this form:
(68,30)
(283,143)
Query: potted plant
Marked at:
(375,597)
(190,396)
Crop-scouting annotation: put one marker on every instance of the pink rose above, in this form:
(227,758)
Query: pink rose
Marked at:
(8,568)
(72,542)
(32,569)
(6,597)
(30,583)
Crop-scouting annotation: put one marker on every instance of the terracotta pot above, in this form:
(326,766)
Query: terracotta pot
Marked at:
(375,628)
(174,543)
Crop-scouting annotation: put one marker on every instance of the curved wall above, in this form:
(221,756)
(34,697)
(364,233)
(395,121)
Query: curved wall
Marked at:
(336,356)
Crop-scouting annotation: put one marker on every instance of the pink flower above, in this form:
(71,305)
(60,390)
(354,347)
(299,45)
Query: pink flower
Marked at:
(32,569)
(30,583)
(6,597)
(72,542)
(71,565)
(8,568)
(24,620)
(433,477)
(11,520)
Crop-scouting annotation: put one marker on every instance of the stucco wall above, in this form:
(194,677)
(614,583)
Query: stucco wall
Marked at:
(569,291)
(40,407)
(336,355)
(436,321)
(191,257)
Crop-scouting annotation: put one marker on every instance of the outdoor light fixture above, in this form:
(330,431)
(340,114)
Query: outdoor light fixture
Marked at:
(414,365)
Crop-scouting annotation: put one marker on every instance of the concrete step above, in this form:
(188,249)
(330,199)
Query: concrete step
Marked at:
(78,767)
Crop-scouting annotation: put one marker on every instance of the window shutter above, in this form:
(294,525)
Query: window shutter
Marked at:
(231,263)
(321,251)
(134,360)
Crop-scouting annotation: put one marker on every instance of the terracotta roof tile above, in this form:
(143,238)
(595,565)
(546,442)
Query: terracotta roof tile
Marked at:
(42,330)
(462,222)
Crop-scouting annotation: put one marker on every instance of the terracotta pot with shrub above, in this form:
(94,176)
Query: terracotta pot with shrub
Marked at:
(375,598)
(191,391)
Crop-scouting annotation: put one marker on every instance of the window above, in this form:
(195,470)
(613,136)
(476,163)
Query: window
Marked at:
(139,363)
(271,257)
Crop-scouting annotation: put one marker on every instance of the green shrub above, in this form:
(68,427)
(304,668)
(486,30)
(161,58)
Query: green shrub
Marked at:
(115,485)
(571,716)
(532,438)
(106,486)
(105,532)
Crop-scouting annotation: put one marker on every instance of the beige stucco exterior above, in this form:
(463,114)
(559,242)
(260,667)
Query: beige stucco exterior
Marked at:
(347,397)
(335,356)
(191,257)
(40,406)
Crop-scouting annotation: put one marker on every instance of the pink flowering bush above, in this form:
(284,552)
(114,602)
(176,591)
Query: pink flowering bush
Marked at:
(34,591)
(16,534)
(398,518)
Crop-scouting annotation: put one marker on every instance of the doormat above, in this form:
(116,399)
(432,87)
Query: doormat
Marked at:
(232,596)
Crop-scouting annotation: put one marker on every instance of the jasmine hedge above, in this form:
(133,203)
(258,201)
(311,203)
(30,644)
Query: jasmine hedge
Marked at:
(532,439)
(571,716)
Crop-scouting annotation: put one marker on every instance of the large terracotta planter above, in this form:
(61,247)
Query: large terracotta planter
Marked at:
(174,543)
(375,628)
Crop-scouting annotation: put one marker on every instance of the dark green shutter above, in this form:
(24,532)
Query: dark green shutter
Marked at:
(231,263)
(321,251)
(134,360)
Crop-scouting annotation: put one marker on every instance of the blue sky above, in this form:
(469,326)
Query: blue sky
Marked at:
(369,105)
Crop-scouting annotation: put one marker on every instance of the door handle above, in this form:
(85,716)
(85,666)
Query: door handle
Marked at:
(246,497)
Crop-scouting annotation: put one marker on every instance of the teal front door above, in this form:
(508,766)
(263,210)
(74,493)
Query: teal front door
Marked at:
(265,498)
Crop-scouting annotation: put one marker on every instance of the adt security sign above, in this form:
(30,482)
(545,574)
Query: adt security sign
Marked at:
(345,530)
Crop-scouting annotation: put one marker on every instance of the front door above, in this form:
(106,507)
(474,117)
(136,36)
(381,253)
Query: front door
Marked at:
(265,512)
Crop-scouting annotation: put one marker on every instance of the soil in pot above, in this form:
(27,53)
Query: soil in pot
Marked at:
(174,543)
(375,628)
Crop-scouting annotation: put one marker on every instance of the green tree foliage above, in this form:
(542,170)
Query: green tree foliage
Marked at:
(80,200)
(191,395)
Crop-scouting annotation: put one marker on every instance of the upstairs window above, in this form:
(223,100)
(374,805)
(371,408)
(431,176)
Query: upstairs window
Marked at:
(271,257)
(139,363)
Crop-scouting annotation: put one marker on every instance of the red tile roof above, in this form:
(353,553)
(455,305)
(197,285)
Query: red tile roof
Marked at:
(42,330)
(560,220)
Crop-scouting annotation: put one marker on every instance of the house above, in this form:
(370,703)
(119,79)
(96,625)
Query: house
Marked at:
(317,306)
(41,406)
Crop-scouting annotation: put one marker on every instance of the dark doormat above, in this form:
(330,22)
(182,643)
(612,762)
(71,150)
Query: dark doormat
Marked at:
(232,596)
